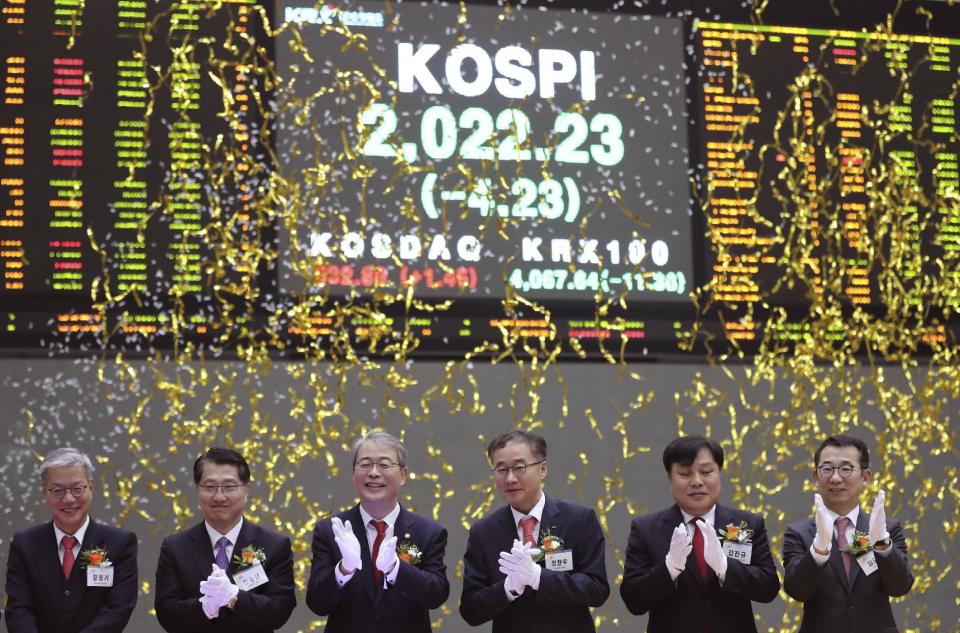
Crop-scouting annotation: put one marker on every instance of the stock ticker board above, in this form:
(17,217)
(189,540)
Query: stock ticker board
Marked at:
(429,161)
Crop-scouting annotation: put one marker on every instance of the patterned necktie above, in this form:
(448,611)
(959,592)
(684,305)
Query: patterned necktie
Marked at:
(842,524)
(68,544)
(698,548)
(381,528)
(221,558)
(527,524)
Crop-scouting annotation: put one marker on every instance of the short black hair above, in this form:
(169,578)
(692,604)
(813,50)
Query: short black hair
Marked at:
(683,451)
(839,441)
(222,456)
(538,445)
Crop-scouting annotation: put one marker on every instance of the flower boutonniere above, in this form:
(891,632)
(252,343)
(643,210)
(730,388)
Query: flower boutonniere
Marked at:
(249,556)
(860,545)
(407,551)
(548,545)
(96,557)
(736,533)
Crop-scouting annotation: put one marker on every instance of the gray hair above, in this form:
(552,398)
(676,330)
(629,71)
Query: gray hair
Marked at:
(380,437)
(65,458)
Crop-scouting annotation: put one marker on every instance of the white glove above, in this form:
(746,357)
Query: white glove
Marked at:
(518,563)
(216,591)
(878,520)
(823,541)
(350,560)
(680,548)
(712,549)
(387,556)
(513,586)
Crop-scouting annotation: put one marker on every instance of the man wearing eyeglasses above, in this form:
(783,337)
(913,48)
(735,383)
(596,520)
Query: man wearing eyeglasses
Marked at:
(678,570)
(57,579)
(225,572)
(377,566)
(845,564)
(537,564)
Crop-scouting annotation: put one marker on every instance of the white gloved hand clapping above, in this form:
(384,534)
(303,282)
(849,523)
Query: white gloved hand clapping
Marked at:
(712,549)
(518,564)
(387,555)
(216,591)
(350,560)
(823,541)
(878,520)
(680,548)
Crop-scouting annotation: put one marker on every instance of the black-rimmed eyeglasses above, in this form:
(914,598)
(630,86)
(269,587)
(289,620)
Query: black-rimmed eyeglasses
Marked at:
(76,491)
(826,471)
(501,472)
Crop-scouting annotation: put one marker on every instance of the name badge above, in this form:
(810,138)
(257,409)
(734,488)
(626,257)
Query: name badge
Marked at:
(99,576)
(251,577)
(559,561)
(868,563)
(742,552)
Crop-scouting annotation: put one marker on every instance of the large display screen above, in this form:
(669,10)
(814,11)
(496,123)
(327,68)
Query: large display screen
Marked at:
(542,150)
(291,173)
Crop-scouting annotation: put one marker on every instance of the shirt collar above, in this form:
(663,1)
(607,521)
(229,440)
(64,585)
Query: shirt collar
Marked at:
(708,517)
(232,535)
(79,533)
(390,519)
(536,512)
(853,515)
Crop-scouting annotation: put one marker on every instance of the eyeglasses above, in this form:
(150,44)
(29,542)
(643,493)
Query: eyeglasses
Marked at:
(77,491)
(229,490)
(501,472)
(383,465)
(826,471)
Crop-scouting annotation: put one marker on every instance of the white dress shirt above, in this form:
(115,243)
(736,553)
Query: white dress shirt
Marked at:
(232,536)
(78,534)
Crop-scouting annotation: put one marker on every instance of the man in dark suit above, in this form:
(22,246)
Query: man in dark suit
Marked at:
(225,572)
(845,582)
(378,567)
(677,568)
(57,577)
(537,564)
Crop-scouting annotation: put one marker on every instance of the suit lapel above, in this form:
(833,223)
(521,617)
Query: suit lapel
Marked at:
(201,550)
(49,559)
(247,536)
(366,572)
(551,519)
(863,525)
(403,530)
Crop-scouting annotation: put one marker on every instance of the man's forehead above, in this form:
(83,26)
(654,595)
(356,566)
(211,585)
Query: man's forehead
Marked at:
(374,449)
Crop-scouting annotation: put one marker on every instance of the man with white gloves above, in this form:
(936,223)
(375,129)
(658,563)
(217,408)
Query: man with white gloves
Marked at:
(845,564)
(554,570)
(225,571)
(676,567)
(378,567)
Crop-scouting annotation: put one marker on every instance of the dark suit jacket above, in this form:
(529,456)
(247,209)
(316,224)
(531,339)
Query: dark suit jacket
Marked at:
(563,600)
(833,603)
(362,606)
(186,558)
(691,603)
(40,599)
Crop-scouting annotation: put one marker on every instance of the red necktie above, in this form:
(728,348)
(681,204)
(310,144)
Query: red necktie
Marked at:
(527,524)
(381,528)
(842,523)
(698,548)
(68,559)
